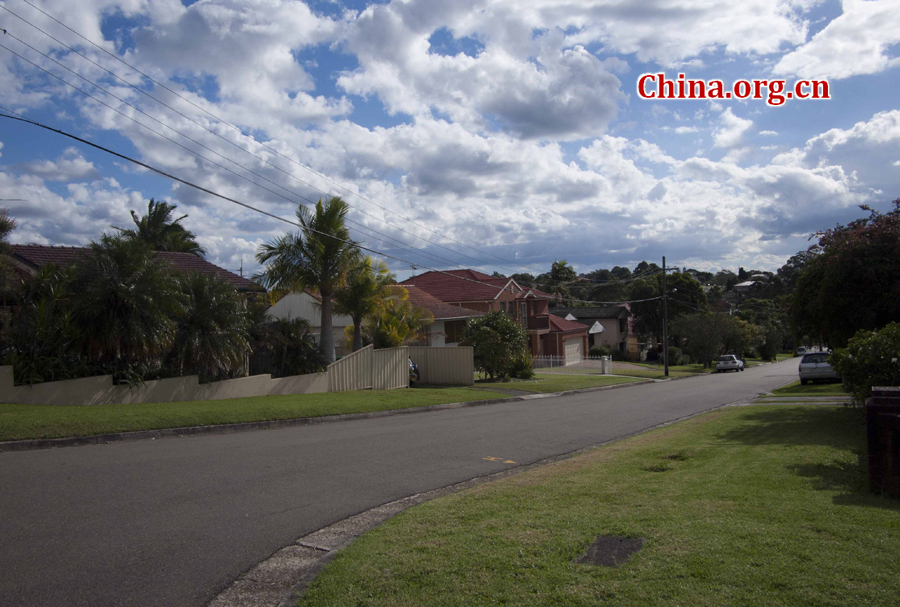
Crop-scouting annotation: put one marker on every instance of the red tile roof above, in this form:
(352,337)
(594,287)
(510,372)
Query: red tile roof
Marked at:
(37,255)
(561,324)
(467,285)
(438,309)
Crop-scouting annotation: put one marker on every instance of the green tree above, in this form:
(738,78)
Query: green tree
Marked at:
(211,336)
(317,257)
(686,296)
(524,280)
(500,344)
(700,335)
(161,232)
(363,292)
(45,341)
(125,303)
(853,283)
(396,322)
(7,275)
(281,347)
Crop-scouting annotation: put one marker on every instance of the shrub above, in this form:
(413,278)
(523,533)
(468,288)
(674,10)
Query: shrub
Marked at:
(871,358)
(522,367)
(499,342)
(600,351)
(618,355)
(674,355)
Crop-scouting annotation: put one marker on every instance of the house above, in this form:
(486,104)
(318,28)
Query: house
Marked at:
(548,334)
(28,258)
(607,325)
(306,306)
(449,321)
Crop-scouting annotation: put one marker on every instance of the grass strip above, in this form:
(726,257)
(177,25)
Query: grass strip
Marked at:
(20,422)
(742,506)
(817,389)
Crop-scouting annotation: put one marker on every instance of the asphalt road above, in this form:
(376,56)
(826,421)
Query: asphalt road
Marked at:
(172,522)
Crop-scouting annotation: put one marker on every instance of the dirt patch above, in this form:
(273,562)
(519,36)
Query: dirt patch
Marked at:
(610,550)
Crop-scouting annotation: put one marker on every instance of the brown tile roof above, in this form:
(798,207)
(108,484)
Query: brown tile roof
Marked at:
(561,324)
(467,285)
(37,255)
(438,309)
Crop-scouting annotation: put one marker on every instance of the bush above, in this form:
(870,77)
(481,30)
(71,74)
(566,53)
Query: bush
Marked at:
(652,356)
(600,351)
(522,367)
(618,355)
(499,344)
(674,356)
(871,358)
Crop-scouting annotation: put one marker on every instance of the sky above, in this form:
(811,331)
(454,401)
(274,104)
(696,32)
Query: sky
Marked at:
(497,135)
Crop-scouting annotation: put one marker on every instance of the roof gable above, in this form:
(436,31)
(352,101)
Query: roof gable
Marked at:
(468,285)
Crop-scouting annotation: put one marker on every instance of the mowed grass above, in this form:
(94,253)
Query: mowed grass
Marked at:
(557,382)
(20,422)
(753,505)
(814,389)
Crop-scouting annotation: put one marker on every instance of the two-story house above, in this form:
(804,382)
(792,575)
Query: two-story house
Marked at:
(548,334)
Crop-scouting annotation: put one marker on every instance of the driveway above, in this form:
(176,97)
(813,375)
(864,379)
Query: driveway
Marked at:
(173,522)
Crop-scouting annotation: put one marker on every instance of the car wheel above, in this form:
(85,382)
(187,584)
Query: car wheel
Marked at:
(803,381)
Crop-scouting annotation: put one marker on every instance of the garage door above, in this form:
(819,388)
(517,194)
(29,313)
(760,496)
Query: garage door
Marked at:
(573,350)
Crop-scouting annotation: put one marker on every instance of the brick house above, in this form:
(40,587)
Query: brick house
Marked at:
(548,334)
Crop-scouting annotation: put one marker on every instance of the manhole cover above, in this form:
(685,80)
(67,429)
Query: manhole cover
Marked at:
(610,550)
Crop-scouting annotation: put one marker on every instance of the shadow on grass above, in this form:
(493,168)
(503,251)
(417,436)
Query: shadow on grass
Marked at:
(838,427)
(842,428)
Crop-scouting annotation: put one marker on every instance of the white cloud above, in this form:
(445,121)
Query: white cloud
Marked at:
(681,130)
(857,42)
(732,129)
(71,166)
(768,133)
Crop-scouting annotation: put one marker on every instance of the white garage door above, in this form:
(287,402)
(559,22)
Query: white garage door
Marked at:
(573,350)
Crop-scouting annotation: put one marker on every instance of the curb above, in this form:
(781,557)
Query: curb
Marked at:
(281,580)
(119,437)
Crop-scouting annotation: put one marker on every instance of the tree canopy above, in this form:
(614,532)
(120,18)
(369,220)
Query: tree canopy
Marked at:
(161,232)
(851,279)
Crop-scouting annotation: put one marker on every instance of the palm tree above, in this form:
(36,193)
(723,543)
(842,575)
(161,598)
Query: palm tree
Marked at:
(161,232)
(211,338)
(317,257)
(363,293)
(125,303)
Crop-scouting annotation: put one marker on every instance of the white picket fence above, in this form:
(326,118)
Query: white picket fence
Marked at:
(601,365)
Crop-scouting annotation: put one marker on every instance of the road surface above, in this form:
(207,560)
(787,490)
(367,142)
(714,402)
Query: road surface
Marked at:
(173,522)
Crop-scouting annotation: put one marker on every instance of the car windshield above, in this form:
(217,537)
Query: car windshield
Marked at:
(726,359)
(815,358)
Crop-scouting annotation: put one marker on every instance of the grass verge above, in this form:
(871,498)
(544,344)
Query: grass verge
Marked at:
(20,422)
(817,389)
(742,506)
(557,382)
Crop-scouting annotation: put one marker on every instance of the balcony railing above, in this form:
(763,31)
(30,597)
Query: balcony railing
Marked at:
(536,323)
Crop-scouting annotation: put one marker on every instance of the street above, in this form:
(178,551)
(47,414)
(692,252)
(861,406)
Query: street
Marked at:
(173,522)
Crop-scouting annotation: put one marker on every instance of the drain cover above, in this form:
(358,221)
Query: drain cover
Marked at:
(610,550)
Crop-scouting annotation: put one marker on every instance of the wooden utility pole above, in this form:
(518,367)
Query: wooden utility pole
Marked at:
(665,319)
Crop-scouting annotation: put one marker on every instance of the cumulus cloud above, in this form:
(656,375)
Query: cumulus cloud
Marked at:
(857,42)
(731,129)
(71,166)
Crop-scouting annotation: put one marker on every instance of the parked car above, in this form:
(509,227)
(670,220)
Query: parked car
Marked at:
(800,351)
(729,362)
(816,366)
(413,373)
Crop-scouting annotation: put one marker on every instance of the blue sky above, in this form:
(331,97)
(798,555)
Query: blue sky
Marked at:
(500,135)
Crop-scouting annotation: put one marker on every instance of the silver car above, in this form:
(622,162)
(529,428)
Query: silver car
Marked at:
(816,366)
(729,362)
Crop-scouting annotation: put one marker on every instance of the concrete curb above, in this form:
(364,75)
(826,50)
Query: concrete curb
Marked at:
(282,579)
(118,437)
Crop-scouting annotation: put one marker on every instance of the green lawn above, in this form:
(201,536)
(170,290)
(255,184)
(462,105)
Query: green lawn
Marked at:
(752,505)
(558,382)
(19,422)
(816,389)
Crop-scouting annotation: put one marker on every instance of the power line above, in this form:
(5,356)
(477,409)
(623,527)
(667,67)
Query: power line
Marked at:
(360,226)
(13,115)
(222,121)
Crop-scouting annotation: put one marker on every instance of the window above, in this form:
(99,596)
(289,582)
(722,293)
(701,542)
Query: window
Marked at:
(503,306)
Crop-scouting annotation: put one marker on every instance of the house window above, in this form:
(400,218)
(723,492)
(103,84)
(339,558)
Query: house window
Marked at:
(622,325)
(503,306)
(453,330)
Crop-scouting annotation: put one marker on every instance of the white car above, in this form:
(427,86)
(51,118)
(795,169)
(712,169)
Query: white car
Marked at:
(816,366)
(729,362)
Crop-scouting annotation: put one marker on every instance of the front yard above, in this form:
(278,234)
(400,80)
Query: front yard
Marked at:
(20,422)
(742,506)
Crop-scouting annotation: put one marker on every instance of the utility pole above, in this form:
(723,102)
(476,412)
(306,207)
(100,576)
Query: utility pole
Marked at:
(665,319)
